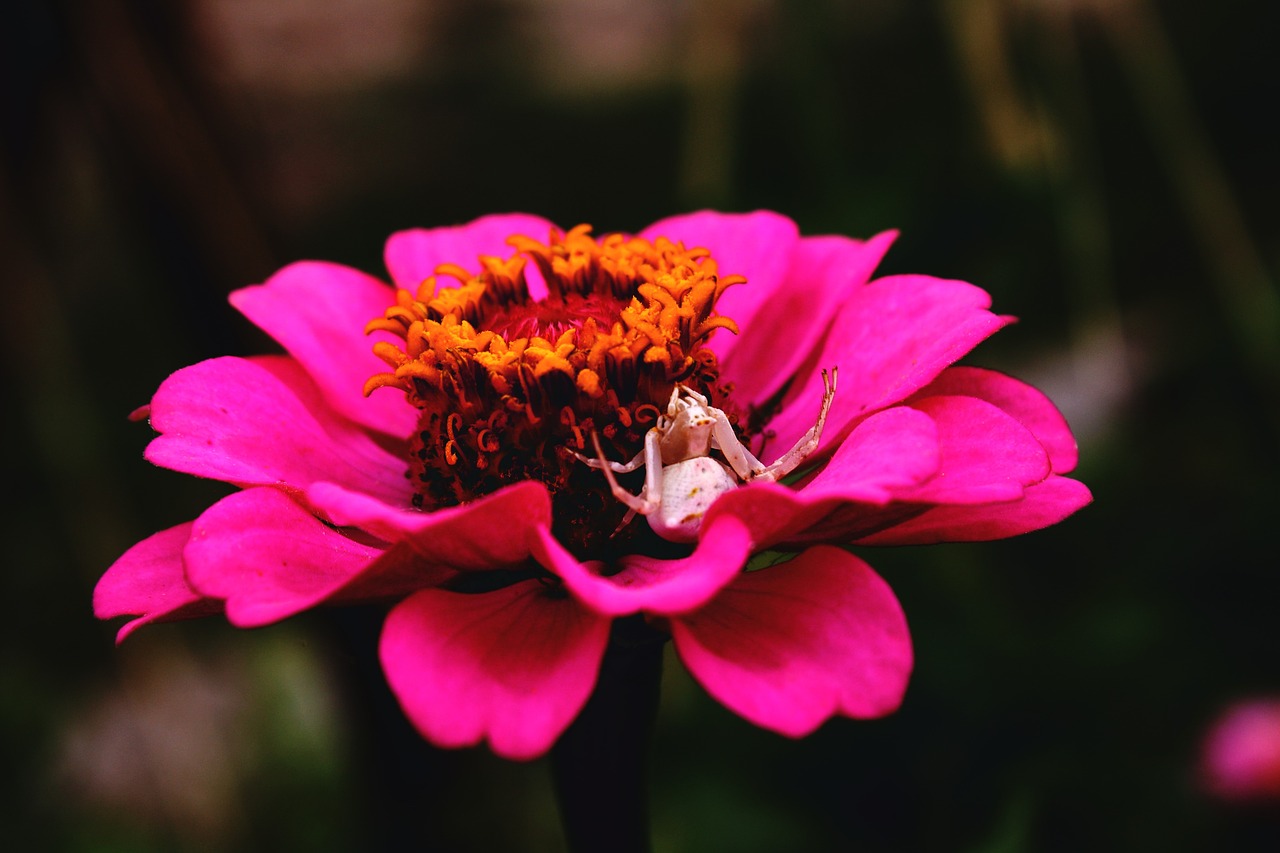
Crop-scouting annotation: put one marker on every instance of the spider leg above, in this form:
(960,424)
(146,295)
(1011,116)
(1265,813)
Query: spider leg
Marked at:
(809,441)
(616,467)
(626,519)
(642,503)
(740,459)
(673,405)
(694,395)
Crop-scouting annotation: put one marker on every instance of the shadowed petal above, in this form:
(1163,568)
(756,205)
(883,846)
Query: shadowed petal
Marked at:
(262,422)
(986,454)
(269,558)
(318,311)
(1030,407)
(1042,504)
(889,453)
(148,582)
(792,645)
(495,531)
(889,340)
(513,666)
(757,245)
(413,255)
(647,584)
(825,273)
(979,457)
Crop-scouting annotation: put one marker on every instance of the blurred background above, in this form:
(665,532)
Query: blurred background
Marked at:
(1107,169)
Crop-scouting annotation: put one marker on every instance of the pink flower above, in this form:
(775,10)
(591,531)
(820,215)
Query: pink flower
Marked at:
(496,550)
(1241,758)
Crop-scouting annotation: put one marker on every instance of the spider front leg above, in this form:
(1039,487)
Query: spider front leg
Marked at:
(650,496)
(809,441)
(601,462)
(693,395)
(740,459)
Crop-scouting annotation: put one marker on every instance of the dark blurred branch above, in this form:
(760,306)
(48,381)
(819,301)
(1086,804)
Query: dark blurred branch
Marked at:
(713,77)
(151,112)
(1072,157)
(1235,265)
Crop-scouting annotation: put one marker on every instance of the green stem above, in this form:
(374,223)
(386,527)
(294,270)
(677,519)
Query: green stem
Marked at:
(600,762)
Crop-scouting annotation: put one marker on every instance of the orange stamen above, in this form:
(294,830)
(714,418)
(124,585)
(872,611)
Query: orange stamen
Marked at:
(505,383)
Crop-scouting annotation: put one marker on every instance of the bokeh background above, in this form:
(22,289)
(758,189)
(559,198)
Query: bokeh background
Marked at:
(1107,169)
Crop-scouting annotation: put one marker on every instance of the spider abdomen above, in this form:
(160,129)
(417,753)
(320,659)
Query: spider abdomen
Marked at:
(688,490)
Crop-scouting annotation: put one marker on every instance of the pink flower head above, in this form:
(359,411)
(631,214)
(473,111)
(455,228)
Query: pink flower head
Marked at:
(440,467)
(1241,758)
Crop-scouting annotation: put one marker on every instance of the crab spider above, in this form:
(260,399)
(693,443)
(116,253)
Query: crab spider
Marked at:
(682,479)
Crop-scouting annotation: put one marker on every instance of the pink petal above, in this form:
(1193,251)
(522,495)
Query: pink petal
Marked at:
(792,645)
(757,245)
(318,312)
(825,273)
(1033,409)
(148,582)
(513,666)
(269,558)
(889,453)
(413,255)
(649,585)
(1042,505)
(495,531)
(891,338)
(262,422)
(986,454)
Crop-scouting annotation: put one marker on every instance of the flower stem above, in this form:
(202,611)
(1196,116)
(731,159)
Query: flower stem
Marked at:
(600,762)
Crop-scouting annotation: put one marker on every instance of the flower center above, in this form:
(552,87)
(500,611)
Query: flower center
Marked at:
(508,385)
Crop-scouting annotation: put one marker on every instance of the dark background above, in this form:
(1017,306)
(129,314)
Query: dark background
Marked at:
(1107,170)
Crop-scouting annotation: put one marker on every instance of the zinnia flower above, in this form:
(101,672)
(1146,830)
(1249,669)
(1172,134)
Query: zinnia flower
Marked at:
(1241,758)
(435,468)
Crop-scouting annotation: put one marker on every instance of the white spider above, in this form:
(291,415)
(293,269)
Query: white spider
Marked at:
(682,479)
